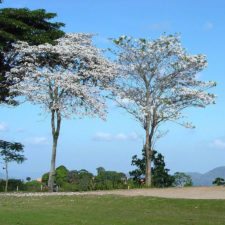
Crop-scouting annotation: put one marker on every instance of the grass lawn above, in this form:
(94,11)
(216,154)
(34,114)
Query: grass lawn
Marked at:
(109,210)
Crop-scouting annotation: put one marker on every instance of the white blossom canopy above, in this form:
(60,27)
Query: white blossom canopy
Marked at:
(158,79)
(68,76)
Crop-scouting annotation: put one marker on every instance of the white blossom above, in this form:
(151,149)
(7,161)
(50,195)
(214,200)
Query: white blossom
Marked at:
(67,76)
(159,75)
(66,79)
(157,82)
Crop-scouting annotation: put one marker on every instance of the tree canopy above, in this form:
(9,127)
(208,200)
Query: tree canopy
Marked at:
(158,80)
(11,151)
(32,26)
(160,174)
(67,79)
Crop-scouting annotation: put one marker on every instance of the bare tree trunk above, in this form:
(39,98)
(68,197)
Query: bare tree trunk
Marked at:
(6,176)
(55,135)
(147,154)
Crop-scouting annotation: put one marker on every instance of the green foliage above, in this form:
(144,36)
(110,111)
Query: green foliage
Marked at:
(32,26)
(85,180)
(106,180)
(12,185)
(182,180)
(33,186)
(160,174)
(11,151)
(28,179)
(219,181)
(44,178)
(82,180)
(69,187)
(61,175)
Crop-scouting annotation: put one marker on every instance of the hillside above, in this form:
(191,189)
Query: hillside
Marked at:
(207,178)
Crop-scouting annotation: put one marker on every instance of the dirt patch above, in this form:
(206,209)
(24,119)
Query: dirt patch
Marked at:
(185,193)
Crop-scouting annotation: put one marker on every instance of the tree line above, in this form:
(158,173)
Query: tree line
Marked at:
(153,80)
(83,180)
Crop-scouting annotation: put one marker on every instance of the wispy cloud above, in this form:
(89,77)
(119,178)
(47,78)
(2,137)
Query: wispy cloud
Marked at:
(3,127)
(103,136)
(208,26)
(218,143)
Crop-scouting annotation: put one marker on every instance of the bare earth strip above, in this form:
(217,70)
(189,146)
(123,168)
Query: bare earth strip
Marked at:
(185,193)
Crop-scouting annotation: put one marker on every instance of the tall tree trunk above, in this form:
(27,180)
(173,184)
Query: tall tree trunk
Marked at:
(55,123)
(6,176)
(147,153)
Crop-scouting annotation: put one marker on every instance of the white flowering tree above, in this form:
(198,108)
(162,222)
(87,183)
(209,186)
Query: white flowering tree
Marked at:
(66,79)
(158,80)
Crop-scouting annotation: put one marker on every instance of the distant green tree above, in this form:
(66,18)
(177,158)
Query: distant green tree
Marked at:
(32,26)
(85,180)
(73,177)
(44,178)
(219,181)
(109,179)
(28,179)
(13,184)
(182,180)
(32,186)
(61,176)
(160,174)
(11,152)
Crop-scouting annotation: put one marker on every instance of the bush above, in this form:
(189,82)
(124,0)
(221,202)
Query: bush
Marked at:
(13,184)
(69,187)
(34,186)
(61,176)
(182,180)
(219,181)
(106,180)
(82,180)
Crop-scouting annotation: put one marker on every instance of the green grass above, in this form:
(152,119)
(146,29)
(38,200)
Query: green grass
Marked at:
(109,210)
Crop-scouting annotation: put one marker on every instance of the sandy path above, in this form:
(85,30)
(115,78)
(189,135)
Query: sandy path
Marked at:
(186,193)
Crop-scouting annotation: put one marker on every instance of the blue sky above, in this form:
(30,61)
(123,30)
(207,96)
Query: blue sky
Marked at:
(90,143)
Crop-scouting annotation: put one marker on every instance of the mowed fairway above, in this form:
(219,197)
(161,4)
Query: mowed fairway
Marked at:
(109,210)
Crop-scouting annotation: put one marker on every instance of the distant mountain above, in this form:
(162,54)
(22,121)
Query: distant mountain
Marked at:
(206,179)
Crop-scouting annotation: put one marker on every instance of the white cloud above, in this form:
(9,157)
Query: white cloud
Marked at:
(3,127)
(208,26)
(37,140)
(218,143)
(102,136)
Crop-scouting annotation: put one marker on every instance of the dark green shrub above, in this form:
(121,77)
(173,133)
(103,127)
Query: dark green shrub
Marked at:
(219,181)
(34,186)
(13,184)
